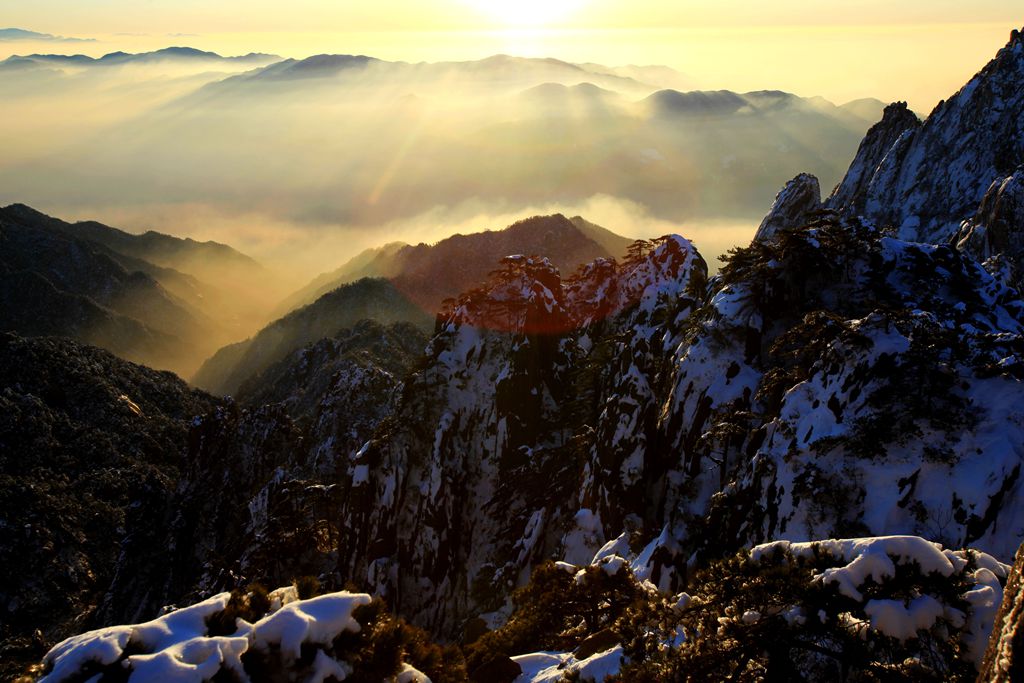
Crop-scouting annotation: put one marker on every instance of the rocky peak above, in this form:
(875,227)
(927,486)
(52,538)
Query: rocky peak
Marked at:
(24,212)
(997,229)
(897,120)
(667,259)
(925,180)
(653,273)
(799,198)
(523,296)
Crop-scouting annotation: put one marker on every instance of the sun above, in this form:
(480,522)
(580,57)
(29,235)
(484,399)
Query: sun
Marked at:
(521,13)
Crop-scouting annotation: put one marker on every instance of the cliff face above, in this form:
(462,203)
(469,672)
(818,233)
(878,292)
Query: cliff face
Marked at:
(832,381)
(1004,658)
(995,234)
(924,180)
(885,138)
(279,464)
(475,478)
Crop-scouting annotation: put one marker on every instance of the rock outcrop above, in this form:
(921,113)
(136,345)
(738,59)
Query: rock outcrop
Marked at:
(898,123)
(996,231)
(793,206)
(1004,658)
(934,176)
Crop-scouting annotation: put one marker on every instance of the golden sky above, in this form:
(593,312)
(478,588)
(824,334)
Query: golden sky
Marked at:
(916,50)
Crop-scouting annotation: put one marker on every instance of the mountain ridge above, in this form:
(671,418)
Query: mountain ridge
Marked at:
(368,298)
(121,58)
(147,297)
(418,268)
(14,34)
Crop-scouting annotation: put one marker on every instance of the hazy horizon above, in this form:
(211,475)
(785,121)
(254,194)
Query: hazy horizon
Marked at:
(916,51)
(303,171)
(918,67)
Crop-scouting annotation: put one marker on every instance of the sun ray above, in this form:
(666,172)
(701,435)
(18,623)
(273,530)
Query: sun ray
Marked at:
(527,13)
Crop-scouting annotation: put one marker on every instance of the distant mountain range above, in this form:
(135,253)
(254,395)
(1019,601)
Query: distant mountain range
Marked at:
(148,297)
(385,142)
(168,54)
(20,34)
(432,273)
(497,68)
(57,284)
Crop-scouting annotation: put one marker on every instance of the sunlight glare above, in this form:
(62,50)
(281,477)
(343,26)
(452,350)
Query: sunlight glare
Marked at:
(527,12)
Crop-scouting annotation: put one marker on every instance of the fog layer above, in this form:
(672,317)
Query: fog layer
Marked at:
(303,163)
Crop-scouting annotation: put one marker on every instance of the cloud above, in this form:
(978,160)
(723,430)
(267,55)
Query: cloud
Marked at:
(305,163)
(298,250)
(19,34)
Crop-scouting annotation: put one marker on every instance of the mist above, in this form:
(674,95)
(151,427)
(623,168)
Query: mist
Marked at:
(302,164)
(362,147)
(298,251)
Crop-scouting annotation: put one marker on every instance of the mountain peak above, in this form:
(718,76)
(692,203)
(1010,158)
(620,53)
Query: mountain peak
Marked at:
(896,114)
(698,102)
(315,66)
(851,193)
(12,34)
(524,295)
(925,179)
(795,202)
(20,210)
(431,273)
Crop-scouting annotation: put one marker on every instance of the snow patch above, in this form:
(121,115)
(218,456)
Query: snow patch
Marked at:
(177,647)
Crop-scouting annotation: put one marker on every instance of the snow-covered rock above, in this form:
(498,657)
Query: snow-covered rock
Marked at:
(551,667)
(178,646)
(925,180)
(996,233)
(793,206)
(874,561)
(898,125)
